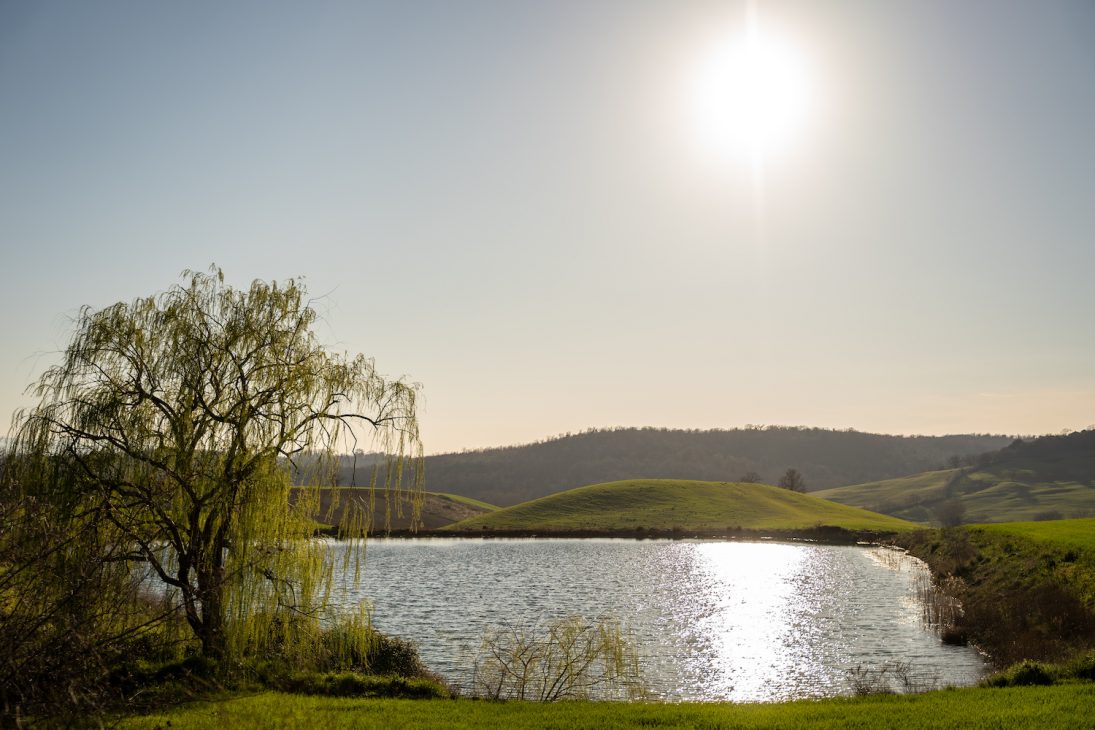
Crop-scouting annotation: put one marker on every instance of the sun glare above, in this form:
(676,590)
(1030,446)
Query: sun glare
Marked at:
(751,95)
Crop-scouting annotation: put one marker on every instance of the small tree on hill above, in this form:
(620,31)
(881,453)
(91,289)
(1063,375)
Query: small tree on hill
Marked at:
(792,479)
(950,512)
(171,424)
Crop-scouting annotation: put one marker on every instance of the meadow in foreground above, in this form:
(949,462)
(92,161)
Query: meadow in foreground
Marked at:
(1065,706)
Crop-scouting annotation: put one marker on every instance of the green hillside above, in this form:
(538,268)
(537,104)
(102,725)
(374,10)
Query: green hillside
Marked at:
(910,498)
(438,509)
(664,504)
(1052,477)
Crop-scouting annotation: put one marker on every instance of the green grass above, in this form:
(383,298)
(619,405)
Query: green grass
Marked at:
(1076,534)
(664,504)
(1065,706)
(1061,550)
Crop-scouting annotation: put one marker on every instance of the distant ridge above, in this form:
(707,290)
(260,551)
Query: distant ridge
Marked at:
(826,458)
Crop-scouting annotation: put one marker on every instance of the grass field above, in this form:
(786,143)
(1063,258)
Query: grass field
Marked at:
(1065,706)
(663,504)
(1075,534)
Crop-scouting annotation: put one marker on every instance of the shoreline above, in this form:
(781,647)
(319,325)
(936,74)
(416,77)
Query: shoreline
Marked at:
(824,535)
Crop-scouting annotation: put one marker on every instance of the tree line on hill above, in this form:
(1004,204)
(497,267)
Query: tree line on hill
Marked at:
(822,457)
(1063,456)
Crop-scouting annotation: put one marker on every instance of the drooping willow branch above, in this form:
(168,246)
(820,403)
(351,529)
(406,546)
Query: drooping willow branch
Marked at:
(182,414)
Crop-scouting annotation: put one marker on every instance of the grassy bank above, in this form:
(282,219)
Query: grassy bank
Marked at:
(1065,551)
(1027,589)
(665,505)
(1065,706)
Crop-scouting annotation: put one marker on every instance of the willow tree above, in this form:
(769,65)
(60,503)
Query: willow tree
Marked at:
(178,419)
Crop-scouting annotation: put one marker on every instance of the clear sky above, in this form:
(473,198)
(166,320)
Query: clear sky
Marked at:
(518,205)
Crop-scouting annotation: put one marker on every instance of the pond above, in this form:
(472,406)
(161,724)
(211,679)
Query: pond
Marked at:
(712,620)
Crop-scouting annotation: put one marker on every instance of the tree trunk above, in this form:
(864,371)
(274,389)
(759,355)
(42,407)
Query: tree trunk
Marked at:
(211,629)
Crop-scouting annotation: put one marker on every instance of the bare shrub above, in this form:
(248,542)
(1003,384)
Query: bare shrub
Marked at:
(950,512)
(892,558)
(792,479)
(888,678)
(941,603)
(570,658)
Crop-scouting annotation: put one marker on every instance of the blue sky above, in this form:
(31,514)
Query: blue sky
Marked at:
(508,202)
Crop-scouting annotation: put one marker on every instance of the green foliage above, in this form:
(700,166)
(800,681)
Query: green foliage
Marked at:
(663,504)
(355,645)
(69,607)
(347,661)
(1020,708)
(159,455)
(1081,668)
(1023,674)
(353,684)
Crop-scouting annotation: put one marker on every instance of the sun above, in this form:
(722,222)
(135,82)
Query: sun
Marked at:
(751,95)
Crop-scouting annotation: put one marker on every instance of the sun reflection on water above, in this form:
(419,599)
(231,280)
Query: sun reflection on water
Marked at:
(751,621)
(712,620)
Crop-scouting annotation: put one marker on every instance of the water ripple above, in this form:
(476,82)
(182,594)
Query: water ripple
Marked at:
(713,620)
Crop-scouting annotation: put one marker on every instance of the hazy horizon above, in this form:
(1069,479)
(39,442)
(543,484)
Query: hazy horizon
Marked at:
(550,216)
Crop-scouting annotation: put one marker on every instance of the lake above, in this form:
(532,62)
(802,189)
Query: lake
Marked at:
(713,620)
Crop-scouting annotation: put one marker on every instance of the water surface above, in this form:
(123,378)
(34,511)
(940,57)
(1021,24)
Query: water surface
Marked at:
(713,620)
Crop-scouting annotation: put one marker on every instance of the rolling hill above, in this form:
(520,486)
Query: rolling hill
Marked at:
(663,504)
(438,509)
(826,458)
(1052,477)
